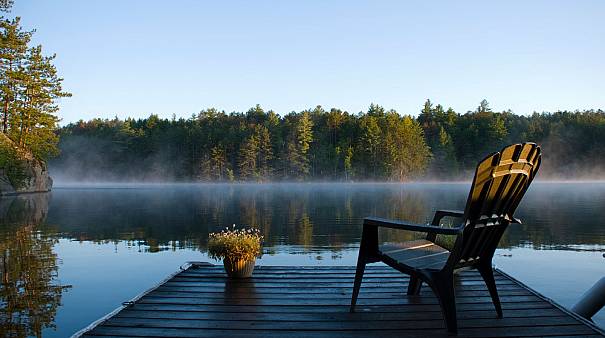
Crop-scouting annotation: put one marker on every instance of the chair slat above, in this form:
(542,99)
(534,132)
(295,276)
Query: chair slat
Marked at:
(500,182)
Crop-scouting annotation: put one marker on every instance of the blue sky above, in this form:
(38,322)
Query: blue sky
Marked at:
(134,58)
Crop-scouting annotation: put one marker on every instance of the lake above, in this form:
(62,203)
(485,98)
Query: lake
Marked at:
(82,250)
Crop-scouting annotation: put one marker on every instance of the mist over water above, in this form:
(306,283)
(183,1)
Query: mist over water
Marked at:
(87,159)
(93,168)
(549,209)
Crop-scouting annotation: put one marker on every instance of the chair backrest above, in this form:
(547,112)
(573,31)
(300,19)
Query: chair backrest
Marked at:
(500,182)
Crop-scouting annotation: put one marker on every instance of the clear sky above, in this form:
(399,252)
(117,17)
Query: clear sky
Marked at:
(133,58)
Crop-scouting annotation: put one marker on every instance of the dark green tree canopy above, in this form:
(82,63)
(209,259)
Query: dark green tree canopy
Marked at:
(29,91)
(321,144)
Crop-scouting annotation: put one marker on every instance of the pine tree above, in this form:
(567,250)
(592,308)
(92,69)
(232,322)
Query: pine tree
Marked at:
(265,153)
(255,155)
(6,5)
(13,49)
(304,138)
(247,162)
(348,163)
(214,166)
(371,140)
(483,107)
(426,114)
(40,88)
(297,150)
(444,164)
(29,89)
(409,153)
(334,121)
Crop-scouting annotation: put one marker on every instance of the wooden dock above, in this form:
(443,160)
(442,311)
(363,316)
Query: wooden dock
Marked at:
(200,301)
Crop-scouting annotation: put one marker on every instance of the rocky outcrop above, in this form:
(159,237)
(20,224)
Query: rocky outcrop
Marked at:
(20,171)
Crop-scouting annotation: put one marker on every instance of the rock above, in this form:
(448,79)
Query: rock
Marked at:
(20,171)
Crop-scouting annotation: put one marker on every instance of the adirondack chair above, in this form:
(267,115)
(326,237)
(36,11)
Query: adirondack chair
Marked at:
(500,182)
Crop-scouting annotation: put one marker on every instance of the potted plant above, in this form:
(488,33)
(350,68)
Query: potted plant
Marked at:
(238,248)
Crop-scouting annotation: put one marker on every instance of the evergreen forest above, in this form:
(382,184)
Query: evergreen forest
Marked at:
(318,144)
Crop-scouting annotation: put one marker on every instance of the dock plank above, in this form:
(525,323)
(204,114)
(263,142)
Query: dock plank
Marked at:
(314,302)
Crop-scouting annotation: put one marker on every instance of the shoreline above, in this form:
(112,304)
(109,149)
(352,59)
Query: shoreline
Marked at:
(66,185)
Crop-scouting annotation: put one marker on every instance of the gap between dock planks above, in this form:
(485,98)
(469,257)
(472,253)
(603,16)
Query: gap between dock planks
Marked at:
(295,301)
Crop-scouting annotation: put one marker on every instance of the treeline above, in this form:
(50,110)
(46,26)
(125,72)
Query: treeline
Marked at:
(319,144)
(257,145)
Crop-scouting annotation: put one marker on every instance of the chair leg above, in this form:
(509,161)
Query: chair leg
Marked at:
(368,248)
(361,265)
(487,273)
(414,286)
(444,288)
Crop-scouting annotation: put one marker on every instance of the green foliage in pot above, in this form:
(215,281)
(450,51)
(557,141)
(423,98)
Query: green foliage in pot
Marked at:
(235,244)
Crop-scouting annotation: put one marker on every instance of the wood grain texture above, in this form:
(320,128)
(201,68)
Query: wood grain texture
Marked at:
(314,302)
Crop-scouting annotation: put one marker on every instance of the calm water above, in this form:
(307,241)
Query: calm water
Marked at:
(72,256)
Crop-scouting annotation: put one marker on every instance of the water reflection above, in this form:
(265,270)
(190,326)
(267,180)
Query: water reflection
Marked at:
(306,216)
(309,217)
(138,234)
(29,293)
(235,290)
(563,216)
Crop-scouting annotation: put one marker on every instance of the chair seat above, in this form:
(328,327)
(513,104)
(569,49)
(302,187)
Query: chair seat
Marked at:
(418,254)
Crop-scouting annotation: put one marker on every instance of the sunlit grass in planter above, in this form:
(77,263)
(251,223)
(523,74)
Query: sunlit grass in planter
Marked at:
(238,248)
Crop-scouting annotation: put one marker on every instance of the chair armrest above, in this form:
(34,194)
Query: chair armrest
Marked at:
(400,225)
(439,214)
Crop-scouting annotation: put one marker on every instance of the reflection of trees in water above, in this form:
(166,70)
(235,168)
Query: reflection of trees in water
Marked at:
(319,215)
(403,205)
(299,226)
(30,297)
(24,209)
(304,231)
(309,216)
(218,205)
(255,209)
(560,216)
(248,210)
(29,292)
